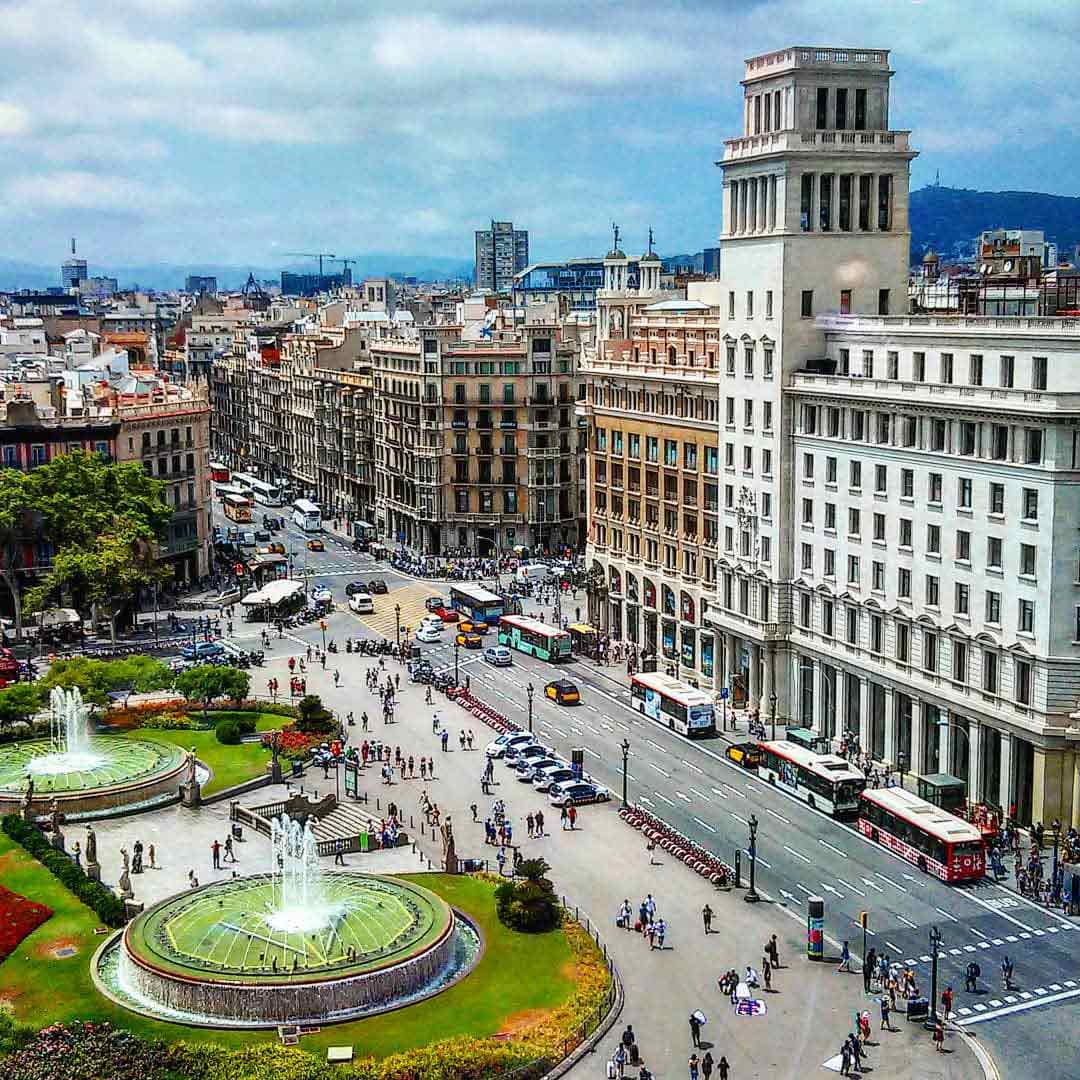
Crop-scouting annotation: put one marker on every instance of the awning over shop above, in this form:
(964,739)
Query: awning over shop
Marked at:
(273,593)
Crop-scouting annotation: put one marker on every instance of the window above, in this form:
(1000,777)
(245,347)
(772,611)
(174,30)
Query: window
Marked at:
(830,516)
(993,608)
(766,550)
(853,570)
(903,642)
(963,545)
(903,583)
(808,303)
(868,363)
(1033,445)
(808,556)
(748,458)
(750,304)
(997,498)
(905,532)
(938,432)
(933,591)
(808,466)
(806,202)
(730,357)
(729,411)
(907,483)
(1006,372)
(990,672)
(844,214)
(855,474)
(830,563)
(766,419)
(748,413)
(946,368)
(748,361)
(993,552)
(1026,618)
(767,361)
(860,110)
(881,481)
(852,625)
(804,610)
(864,202)
(999,442)
(879,526)
(1030,503)
(968,433)
(768,303)
(933,493)
(845,301)
(918,366)
(975,369)
(930,650)
(963,493)
(830,470)
(933,539)
(1027,560)
(959,662)
(827,618)
(1038,373)
(962,599)
(822,120)
(883,305)
(892,359)
(1022,681)
(808,511)
(854,523)
(731,304)
(671,452)
(878,577)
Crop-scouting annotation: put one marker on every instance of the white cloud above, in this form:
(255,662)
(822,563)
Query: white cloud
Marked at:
(83,190)
(14,120)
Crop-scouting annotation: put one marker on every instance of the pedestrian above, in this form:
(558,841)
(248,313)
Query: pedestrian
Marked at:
(539,822)
(707,1065)
(461,738)
(529,823)
(722,1068)
(76,854)
(650,907)
(845,1059)
(939,1037)
(339,852)
(501,860)
(706,918)
(469,738)
(215,849)
(869,965)
(661,933)
(473,808)
(947,1001)
(564,816)
(695,1030)
(766,973)
(620,1060)
(229,853)
(628,1041)
(193,881)
(612,1070)
(337,677)
(693,1064)
(774,951)
(150,852)
(845,958)
(1006,973)
(971,977)
(445,739)
(885,1025)
(572,815)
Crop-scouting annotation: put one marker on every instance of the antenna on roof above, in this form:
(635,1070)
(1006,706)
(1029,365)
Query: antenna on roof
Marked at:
(650,239)
(73,245)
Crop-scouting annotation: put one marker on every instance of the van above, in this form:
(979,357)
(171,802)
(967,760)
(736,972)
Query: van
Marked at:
(361,603)
(536,573)
(247,538)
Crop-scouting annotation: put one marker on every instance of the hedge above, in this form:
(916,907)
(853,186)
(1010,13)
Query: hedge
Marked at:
(102,900)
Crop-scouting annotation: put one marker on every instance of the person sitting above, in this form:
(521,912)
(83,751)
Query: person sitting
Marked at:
(752,979)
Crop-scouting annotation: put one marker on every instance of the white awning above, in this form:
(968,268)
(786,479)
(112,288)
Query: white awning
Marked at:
(273,593)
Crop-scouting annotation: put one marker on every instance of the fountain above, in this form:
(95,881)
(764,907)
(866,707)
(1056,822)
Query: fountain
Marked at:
(296,945)
(83,772)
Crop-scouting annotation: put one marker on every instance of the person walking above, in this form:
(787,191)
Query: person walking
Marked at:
(339,852)
(845,959)
(707,1065)
(939,1037)
(444,738)
(564,815)
(971,978)
(152,856)
(229,853)
(215,850)
(766,973)
(885,1024)
(695,1030)
(661,933)
(693,1065)
(539,823)
(947,1001)
(845,1059)
(706,918)
(869,969)
(773,951)
(572,815)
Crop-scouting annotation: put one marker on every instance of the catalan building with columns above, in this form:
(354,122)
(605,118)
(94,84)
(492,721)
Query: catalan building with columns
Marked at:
(896,554)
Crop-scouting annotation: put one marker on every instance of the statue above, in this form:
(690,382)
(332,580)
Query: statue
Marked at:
(191,766)
(125,881)
(55,816)
(91,845)
(190,790)
(127,859)
(450,862)
(28,798)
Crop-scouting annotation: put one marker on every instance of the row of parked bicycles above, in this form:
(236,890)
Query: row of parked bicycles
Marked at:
(702,861)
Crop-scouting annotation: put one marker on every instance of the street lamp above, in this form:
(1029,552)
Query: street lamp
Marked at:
(322,627)
(751,893)
(457,650)
(625,756)
(901,764)
(1055,896)
(397,626)
(530,690)
(935,944)
(772,705)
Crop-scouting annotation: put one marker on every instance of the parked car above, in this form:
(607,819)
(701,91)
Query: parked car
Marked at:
(576,792)
(355,587)
(527,768)
(361,603)
(262,536)
(429,634)
(543,777)
(498,746)
(316,545)
(499,655)
(529,752)
(376,586)
(746,754)
(420,670)
(469,641)
(203,650)
(562,692)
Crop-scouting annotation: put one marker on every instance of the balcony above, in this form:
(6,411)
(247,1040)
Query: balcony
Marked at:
(818,142)
(542,451)
(459,425)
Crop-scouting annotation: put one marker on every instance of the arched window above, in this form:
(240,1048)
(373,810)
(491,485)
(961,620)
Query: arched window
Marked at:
(649,592)
(669,600)
(686,607)
(631,588)
(616,580)
(671,354)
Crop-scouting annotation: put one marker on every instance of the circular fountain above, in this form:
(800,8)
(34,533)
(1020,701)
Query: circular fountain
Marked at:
(295,945)
(86,774)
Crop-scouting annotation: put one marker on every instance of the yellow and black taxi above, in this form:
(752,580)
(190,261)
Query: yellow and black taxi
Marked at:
(469,626)
(316,545)
(563,692)
(746,754)
(469,641)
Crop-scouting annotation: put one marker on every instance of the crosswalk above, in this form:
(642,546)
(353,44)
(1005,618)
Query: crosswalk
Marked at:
(384,620)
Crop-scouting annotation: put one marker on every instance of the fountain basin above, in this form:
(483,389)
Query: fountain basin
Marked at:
(212,956)
(110,773)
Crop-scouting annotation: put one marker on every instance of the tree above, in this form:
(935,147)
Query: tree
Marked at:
(96,679)
(314,718)
(17,526)
(207,682)
(529,904)
(20,702)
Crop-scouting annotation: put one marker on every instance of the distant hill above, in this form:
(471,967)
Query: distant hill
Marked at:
(949,219)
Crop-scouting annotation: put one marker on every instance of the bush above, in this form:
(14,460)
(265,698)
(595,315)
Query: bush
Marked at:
(79,1050)
(174,722)
(108,906)
(529,905)
(228,732)
(315,719)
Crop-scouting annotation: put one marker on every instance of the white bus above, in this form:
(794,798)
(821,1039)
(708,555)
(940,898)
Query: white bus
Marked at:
(223,491)
(824,781)
(267,494)
(307,516)
(673,703)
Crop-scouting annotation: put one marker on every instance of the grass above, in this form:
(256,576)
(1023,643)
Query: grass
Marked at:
(517,974)
(230,764)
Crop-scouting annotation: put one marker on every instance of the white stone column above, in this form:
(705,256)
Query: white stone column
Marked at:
(740,217)
(864,715)
(729,207)
(767,683)
(841,703)
(892,728)
(730,658)
(817,720)
(1005,789)
(763,203)
(916,736)
(975,778)
(944,734)
(772,203)
(754,687)
(751,218)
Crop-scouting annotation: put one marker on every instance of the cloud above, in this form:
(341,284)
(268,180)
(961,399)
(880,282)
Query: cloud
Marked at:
(83,190)
(14,120)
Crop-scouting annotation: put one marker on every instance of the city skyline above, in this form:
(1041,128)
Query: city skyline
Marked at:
(196,131)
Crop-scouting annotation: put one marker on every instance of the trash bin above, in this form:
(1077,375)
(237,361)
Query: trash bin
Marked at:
(364,841)
(237,831)
(918,1009)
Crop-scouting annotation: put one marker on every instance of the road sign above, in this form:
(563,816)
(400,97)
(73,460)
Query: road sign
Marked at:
(725,693)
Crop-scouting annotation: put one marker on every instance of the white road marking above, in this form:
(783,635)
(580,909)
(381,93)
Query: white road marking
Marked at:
(848,885)
(872,885)
(631,776)
(830,889)
(704,824)
(975,930)
(663,798)
(895,885)
(691,765)
(655,746)
(906,922)
(595,731)
(758,858)
(797,854)
(1008,1010)
(914,880)
(590,750)
(646,800)
(737,818)
(948,915)
(685,798)
(895,948)
(625,727)
(826,843)
(779,817)
(665,775)
(604,723)
(790,896)
(733,791)
(990,907)
(700,794)
(717,791)
(800,885)
(592,708)
(558,730)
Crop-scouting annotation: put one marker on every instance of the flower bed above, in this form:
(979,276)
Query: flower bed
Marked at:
(293,743)
(80,1050)
(19,918)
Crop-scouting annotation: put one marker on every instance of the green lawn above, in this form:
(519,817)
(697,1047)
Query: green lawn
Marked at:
(230,764)
(517,973)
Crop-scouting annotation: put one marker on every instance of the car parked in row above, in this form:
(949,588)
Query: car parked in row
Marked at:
(532,752)
(576,793)
(498,746)
(544,777)
(527,768)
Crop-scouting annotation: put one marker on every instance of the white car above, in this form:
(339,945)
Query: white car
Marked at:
(431,622)
(515,755)
(361,603)
(321,593)
(553,774)
(498,747)
(429,634)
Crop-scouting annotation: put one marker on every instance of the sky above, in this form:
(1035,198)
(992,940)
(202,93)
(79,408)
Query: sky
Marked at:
(184,131)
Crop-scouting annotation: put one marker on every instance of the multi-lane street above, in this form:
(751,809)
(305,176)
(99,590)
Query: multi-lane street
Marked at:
(800,851)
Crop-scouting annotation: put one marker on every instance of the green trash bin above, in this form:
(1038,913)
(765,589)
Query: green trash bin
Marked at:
(363,841)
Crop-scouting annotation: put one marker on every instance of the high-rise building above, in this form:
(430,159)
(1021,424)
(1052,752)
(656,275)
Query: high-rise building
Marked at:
(200,283)
(73,271)
(501,252)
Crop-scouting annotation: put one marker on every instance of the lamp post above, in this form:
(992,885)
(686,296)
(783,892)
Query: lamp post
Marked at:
(751,896)
(397,626)
(625,756)
(1055,896)
(457,650)
(901,764)
(772,706)
(530,690)
(935,944)
(322,627)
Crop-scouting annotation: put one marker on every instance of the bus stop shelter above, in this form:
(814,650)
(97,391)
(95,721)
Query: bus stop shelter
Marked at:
(273,600)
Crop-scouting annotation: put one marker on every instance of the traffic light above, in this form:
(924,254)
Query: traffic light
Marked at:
(322,624)
(864,919)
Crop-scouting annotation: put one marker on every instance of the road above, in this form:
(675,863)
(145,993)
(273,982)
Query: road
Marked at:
(801,852)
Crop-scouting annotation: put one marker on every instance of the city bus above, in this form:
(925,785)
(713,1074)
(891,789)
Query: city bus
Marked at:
(824,781)
(307,516)
(936,841)
(219,473)
(223,491)
(479,604)
(673,703)
(534,637)
(267,494)
(238,509)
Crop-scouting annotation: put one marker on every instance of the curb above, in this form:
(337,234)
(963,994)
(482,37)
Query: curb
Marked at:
(982,1055)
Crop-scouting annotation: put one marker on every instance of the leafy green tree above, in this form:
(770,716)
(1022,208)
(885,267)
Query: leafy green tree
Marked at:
(20,702)
(529,904)
(95,679)
(207,682)
(315,718)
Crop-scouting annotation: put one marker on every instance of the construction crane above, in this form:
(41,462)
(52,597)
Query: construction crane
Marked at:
(320,255)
